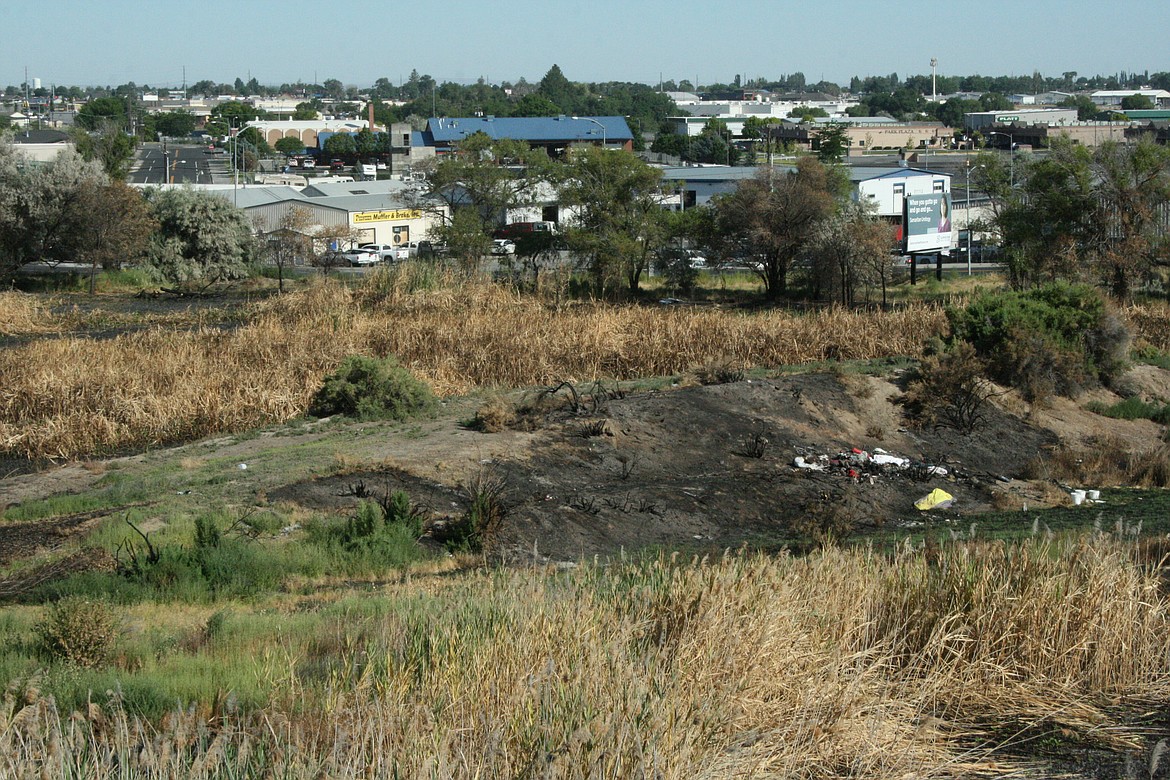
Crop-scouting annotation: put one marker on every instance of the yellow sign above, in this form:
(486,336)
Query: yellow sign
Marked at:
(385,216)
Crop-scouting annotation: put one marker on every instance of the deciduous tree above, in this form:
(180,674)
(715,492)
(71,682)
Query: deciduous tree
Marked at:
(770,220)
(116,224)
(620,224)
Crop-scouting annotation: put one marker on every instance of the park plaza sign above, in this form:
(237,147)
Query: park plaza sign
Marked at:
(391,215)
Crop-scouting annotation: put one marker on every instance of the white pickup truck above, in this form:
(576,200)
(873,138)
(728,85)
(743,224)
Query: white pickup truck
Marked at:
(388,252)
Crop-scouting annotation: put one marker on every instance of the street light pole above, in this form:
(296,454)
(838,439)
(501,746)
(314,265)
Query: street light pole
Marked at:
(1011,156)
(594,121)
(968,217)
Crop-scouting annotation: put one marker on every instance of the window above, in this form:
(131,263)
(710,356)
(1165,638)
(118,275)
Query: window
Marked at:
(939,185)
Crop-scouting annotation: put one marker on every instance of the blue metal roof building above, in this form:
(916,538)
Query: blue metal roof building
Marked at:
(554,133)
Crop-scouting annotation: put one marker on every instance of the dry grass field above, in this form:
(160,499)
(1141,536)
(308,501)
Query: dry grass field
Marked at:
(68,394)
(72,395)
(968,661)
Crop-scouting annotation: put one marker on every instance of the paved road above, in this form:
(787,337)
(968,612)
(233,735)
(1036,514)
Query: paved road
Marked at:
(185,164)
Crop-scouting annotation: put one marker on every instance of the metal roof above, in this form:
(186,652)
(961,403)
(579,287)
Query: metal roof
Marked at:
(335,189)
(250,196)
(714,173)
(534,128)
(718,173)
(867,172)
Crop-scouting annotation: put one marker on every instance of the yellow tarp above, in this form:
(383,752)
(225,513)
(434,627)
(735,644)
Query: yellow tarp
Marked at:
(936,499)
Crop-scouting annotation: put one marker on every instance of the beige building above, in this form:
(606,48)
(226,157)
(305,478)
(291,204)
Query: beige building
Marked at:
(866,135)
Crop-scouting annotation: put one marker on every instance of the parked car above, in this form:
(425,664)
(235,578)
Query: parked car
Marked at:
(516,230)
(361,257)
(503,246)
(308,163)
(429,248)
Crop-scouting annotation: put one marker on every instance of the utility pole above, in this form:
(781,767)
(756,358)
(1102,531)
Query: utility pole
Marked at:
(933,80)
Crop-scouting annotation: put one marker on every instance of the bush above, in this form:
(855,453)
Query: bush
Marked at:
(476,530)
(372,539)
(1133,409)
(371,389)
(1052,339)
(950,389)
(79,631)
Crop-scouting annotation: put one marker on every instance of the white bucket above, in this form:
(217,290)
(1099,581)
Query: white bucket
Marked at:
(1093,495)
(1078,497)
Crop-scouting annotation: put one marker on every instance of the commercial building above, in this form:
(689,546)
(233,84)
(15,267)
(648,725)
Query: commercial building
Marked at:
(867,133)
(979,121)
(1113,97)
(554,134)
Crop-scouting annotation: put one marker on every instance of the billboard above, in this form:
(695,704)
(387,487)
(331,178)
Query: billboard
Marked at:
(926,222)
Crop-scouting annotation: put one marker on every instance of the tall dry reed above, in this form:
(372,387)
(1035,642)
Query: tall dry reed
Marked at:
(840,664)
(72,396)
(1149,322)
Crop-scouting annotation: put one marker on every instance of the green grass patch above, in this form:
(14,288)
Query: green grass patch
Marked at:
(1133,408)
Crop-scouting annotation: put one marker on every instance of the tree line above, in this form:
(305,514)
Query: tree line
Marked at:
(792,223)
(71,210)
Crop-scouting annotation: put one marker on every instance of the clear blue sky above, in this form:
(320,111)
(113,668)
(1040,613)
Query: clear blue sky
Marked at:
(110,42)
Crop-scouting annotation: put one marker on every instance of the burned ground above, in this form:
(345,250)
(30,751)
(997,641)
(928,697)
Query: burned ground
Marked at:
(706,468)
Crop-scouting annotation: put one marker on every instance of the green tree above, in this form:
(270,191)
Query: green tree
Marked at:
(770,220)
(832,142)
(108,145)
(1047,221)
(116,225)
(807,113)
(289,145)
(993,101)
(307,111)
(102,111)
(1086,109)
(340,145)
(561,92)
(366,143)
(1136,103)
(43,212)
(477,184)
(534,104)
(759,132)
(620,224)
(174,124)
(201,237)
(1133,187)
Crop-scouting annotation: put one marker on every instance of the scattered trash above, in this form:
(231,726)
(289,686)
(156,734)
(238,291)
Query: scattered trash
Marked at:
(184,492)
(800,463)
(1093,495)
(883,458)
(856,464)
(935,499)
(242,466)
(1078,497)
(1002,478)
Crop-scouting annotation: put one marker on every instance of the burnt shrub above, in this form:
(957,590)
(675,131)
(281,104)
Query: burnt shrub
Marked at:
(1053,339)
(950,389)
